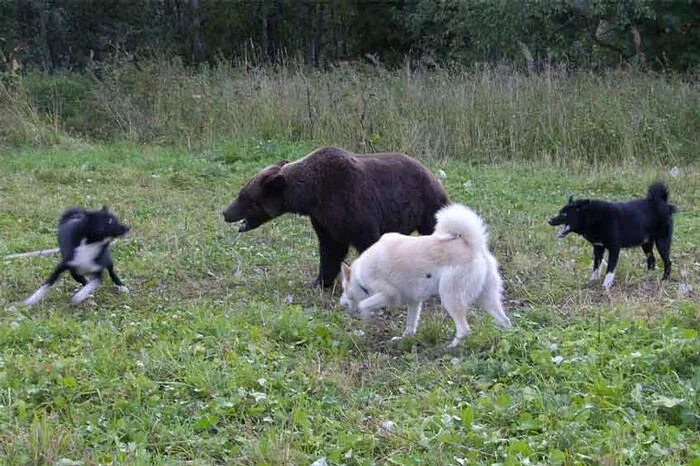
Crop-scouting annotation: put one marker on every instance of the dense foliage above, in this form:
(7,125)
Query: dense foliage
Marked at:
(73,34)
(484,114)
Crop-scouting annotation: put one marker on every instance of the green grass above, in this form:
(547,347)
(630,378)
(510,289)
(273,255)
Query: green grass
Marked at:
(223,355)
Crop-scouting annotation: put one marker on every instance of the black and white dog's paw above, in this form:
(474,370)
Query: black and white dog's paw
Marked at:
(123,289)
(85,291)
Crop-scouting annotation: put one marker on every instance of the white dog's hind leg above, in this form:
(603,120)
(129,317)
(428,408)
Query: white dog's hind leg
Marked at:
(458,312)
(491,301)
(86,291)
(457,292)
(367,305)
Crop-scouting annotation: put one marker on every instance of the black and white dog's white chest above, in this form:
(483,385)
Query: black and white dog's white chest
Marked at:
(86,255)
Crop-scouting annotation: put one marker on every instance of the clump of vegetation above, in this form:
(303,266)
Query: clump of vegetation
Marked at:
(485,114)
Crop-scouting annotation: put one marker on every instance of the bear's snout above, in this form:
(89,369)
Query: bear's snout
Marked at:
(229,216)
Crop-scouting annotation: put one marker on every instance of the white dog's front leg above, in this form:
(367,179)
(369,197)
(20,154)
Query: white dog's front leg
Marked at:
(367,305)
(412,319)
(86,291)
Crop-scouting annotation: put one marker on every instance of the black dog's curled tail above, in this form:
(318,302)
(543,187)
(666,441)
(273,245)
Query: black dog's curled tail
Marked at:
(658,193)
(72,213)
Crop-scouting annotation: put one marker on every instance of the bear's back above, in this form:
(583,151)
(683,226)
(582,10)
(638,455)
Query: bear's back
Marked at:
(357,197)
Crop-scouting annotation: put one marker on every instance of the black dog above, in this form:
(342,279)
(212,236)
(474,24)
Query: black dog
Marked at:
(615,225)
(83,239)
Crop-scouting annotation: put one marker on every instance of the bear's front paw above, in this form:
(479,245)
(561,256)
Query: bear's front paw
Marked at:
(320,283)
(314,283)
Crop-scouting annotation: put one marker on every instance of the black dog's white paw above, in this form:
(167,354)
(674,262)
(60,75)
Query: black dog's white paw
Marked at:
(608,281)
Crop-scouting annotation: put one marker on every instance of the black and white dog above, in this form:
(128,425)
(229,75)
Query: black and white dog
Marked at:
(614,225)
(83,239)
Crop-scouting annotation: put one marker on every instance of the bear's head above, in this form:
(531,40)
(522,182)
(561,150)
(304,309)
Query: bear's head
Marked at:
(260,200)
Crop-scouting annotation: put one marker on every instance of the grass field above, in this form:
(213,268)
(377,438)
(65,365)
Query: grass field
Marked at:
(221,354)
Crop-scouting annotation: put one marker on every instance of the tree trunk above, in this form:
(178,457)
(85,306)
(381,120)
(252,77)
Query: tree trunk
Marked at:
(312,50)
(319,34)
(265,38)
(197,37)
(334,32)
(44,42)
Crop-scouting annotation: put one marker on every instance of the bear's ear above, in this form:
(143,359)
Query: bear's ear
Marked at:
(582,204)
(275,183)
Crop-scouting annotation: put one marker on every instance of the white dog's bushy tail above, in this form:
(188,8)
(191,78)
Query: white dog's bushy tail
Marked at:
(460,220)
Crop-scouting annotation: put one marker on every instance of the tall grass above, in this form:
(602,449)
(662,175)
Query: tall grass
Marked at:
(485,114)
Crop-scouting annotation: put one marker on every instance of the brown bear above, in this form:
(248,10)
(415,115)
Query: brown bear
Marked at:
(352,200)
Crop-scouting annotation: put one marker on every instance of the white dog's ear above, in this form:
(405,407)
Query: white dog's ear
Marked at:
(346,271)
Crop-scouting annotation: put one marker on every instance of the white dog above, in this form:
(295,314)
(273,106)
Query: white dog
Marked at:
(454,263)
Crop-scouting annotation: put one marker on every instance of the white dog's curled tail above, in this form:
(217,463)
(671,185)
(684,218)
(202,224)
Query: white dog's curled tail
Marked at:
(460,220)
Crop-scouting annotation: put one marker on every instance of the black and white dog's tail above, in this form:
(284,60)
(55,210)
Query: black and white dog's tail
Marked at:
(658,194)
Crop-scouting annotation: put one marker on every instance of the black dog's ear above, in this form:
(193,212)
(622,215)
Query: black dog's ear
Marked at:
(275,183)
(104,208)
(571,199)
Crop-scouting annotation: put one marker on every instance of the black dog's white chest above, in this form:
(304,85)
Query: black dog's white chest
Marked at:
(595,240)
(86,255)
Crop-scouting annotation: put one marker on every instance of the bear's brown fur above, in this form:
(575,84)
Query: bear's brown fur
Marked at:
(352,200)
